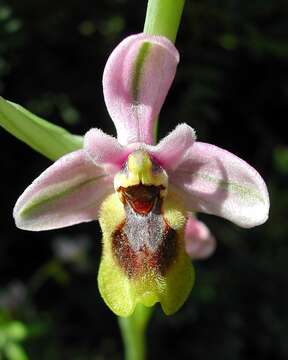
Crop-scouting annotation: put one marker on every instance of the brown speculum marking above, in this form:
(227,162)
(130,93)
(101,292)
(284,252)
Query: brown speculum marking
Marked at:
(144,241)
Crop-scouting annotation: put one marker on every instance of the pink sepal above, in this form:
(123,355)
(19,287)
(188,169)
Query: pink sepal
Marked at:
(69,192)
(136,79)
(199,242)
(214,181)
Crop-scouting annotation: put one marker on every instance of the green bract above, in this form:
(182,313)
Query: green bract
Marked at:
(48,139)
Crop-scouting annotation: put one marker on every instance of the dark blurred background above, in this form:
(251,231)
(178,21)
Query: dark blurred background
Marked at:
(232,87)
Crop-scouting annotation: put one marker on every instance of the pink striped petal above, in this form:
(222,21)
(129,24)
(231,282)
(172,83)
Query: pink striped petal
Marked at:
(199,242)
(172,148)
(136,79)
(69,192)
(104,150)
(214,181)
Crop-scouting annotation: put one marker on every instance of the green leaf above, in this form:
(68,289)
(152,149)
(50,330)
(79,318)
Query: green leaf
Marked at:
(48,139)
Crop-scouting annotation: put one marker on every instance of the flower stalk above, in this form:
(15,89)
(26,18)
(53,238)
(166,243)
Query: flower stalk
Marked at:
(163,18)
(133,330)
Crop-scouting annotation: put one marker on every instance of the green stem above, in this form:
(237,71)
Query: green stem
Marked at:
(133,329)
(163,17)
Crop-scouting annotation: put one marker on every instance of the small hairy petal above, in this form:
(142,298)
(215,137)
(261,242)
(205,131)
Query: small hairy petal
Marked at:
(136,79)
(199,242)
(172,148)
(214,181)
(104,150)
(69,192)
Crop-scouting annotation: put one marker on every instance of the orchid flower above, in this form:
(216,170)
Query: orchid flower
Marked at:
(143,193)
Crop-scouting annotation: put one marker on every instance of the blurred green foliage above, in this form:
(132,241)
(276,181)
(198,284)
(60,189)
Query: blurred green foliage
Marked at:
(11,334)
(231,86)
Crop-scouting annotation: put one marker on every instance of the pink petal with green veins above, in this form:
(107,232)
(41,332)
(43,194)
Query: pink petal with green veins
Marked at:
(214,181)
(137,77)
(199,242)
(69,192)
(172,148)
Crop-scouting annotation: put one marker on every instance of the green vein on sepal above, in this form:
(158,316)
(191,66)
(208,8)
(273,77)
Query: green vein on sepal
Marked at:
(136,86)
(47,198)
(48,139)
(237,188)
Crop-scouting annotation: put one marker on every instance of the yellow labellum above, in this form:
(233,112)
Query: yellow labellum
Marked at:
(122,291)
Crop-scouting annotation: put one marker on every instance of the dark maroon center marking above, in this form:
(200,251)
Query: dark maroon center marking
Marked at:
(138,262)
(144,241)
